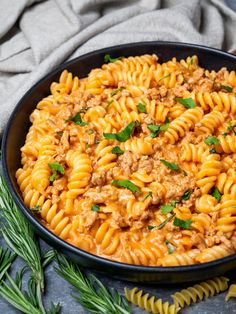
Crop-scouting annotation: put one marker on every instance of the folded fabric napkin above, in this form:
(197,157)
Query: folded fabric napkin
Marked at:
(37,35)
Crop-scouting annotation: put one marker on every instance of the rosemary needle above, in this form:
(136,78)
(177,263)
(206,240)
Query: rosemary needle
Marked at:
(6,259)
(93,295)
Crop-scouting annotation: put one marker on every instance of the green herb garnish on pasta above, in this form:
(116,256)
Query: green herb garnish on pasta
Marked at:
(56,168)
(123,135)
(126,184)
(188,103)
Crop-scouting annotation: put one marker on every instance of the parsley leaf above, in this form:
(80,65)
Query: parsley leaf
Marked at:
(186,195)
(56,168)
(117,91)
(149,194)
(141,108)
(211,140)
(184,224)
(162,224)
(95,208)
(170,247)
(123,135)
(108,58)
(36,209)
(186,102)
(117,150)
(227,88)
(170,165)
(165,126)
(165,209)
(78,120)
(126,184)
(216,193)
(155,129)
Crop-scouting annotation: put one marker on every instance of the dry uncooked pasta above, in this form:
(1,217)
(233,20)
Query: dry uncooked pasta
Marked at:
(136,161)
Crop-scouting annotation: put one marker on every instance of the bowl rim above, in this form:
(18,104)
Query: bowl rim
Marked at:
(56,240)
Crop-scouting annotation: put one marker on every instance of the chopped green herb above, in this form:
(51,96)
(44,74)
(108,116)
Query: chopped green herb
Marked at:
(227,88)
(216,193)
(186,102)
(186,195)
(95,208)
(162,224)
(149,194)
(36,209)
(164,77)
(230,127)
(212,151)
(191,60)
(165,126)
(123,135)
(155,129)
(211,140)
(90,131)
(170,247)
(56,167)
(170,165)
(141,108)
(117,91)
(108,58)
(184,224)
(126,184)
(165,209)
(165,222)
(78,120)
(109,103)
(86,146)
(174,203)
(117,150)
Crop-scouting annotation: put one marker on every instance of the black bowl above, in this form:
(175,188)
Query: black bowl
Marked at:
(17,128)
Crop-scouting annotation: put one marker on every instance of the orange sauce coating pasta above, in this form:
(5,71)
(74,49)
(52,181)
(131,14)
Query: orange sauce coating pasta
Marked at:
(136,161)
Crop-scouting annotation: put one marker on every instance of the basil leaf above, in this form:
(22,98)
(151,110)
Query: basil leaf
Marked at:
(126,184)
(36,209)
(123,135)
(186,195)
(227,88)
(141,108)
(174,203)
(162,224)
(216,193)
(184,224)
(170,165)
(117,91)
(149,194)
(155,129)
(117,151)
(170,247)
(78,120)
(55,167)
(211,140)
(86,146)
(186,102)
(95,208)
(108,58)
(165,209)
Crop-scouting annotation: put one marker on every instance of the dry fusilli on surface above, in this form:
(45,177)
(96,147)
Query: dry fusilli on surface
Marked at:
(136,161)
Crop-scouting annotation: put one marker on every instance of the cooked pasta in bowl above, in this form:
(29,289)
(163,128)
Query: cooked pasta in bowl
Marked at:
(133,160)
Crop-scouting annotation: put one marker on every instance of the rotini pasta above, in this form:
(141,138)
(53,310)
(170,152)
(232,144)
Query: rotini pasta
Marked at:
(136,163)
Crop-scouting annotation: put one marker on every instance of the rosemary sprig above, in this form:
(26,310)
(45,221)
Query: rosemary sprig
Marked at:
(6,259)
(93,295)
(28,302)
(19,235)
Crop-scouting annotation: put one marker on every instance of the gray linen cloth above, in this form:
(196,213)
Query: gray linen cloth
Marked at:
(37,35)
